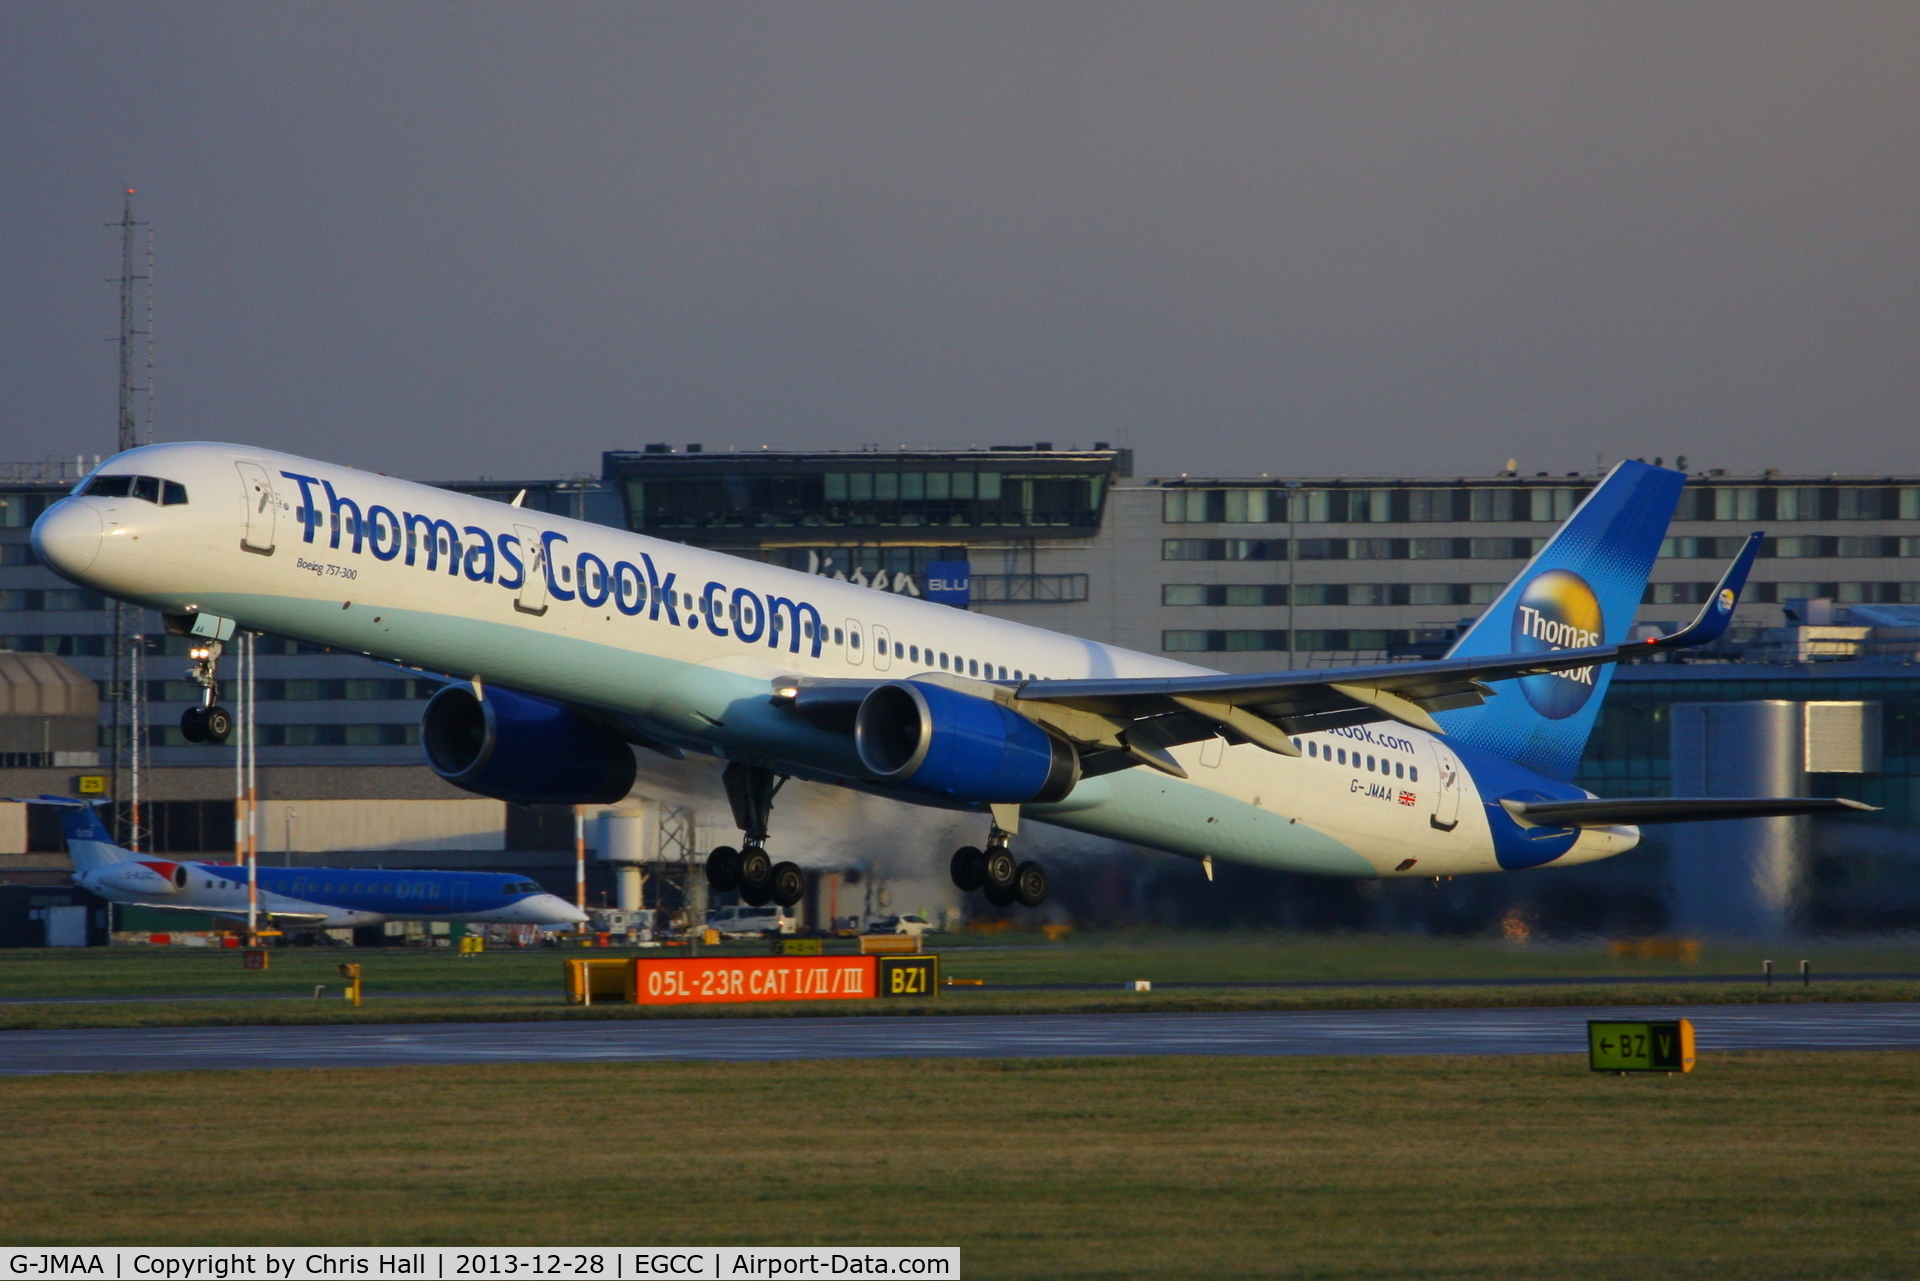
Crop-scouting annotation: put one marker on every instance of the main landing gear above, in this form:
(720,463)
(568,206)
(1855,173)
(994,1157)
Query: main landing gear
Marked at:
(209,722)
(995,873)
(750,869)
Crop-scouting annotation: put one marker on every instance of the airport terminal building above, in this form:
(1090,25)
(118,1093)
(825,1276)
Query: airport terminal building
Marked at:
(1236,573)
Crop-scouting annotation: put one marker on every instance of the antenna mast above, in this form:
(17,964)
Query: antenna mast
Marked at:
(126,679)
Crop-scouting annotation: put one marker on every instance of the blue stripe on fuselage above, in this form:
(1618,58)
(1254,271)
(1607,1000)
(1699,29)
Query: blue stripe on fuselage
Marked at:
(392,892)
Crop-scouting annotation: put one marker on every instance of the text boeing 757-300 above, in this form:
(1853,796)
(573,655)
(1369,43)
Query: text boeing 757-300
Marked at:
(573,643)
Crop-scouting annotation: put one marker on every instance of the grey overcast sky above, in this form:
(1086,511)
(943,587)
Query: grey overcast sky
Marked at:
(462,239)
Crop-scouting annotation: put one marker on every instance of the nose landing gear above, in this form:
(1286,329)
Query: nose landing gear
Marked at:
(995,873)
(209,722)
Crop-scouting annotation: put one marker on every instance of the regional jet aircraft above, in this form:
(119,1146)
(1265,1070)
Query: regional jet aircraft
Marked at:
(568,645)
(298,898)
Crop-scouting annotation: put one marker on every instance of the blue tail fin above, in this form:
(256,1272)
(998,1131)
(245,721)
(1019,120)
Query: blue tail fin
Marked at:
(89,843)
(1582,589)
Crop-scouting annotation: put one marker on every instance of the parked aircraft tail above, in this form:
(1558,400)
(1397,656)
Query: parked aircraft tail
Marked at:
(88,841)
(1582,589)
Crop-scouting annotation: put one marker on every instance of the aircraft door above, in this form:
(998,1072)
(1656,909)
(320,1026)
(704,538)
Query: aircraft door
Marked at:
(1446,804)
(260,508)
(882,649)
(855,648)
(532,596)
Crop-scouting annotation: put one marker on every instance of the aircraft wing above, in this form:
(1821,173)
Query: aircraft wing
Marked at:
(1125,721)
(1671,809)
(231,914)
(1267,708)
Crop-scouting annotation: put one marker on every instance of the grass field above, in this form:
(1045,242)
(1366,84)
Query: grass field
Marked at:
(109,987)
(1755,1166)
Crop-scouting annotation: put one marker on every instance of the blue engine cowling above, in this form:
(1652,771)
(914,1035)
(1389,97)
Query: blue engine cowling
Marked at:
(514,747)
(937,740)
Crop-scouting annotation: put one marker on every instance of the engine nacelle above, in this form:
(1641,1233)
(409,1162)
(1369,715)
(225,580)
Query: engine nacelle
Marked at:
(934,739)
(149,878)
(514,747)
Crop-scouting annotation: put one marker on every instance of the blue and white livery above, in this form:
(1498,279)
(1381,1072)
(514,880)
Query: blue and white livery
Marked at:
(299,897)
(571,644)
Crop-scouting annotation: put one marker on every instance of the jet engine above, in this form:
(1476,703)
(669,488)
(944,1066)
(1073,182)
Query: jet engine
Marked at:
(940,741)
(515,747)
(146,878)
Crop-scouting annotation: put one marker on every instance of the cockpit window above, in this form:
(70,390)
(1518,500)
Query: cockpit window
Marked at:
(523,887)
(108,486)
(152,489)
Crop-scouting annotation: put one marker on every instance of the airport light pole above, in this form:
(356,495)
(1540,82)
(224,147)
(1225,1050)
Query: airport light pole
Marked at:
(247,736)
(580,861)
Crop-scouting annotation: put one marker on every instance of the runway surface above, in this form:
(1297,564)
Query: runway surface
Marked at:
(1558,1030)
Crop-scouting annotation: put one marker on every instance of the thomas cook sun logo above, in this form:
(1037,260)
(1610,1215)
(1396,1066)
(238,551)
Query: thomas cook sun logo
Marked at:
(1557,611)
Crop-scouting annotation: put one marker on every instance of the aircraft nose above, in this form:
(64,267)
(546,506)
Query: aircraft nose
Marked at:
(554,910)
(68,537)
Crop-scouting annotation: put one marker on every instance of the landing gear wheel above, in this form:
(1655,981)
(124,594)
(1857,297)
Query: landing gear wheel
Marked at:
(998,868)
(999,895)
(723,868)
(217,723)
(1030,884)
(756,875)
(193,725)
(968,868)
(788,884)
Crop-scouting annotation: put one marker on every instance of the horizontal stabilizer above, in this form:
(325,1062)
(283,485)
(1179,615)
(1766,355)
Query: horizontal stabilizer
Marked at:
(1634,811)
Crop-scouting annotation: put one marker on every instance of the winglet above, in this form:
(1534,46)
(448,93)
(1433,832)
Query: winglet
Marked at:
(1714,617)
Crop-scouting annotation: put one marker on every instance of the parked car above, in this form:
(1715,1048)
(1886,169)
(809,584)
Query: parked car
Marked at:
(753,922)
(910,924)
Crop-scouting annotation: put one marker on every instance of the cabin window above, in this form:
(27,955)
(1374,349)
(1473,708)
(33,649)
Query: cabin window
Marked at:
(973,667)
(1003,673)
(899,650)
(1313,748)
(853,639)
(1343,756)
(1413,773)
(914,653)
(943,662)
(1399,770)
(838,638)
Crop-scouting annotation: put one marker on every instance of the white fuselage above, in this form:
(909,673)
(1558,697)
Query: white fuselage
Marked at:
(692,665)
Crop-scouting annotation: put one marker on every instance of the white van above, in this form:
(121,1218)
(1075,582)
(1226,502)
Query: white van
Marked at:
(749,921)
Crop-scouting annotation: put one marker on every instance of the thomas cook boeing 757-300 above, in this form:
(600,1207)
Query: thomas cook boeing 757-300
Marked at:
(567,646)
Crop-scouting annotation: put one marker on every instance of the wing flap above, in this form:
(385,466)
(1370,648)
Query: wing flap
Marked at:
(1637,811)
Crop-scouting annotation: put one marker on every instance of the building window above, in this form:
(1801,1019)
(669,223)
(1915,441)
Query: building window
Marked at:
(1860,504)
(1490,504)
(1223,549)
(1552,504)
(1223,641)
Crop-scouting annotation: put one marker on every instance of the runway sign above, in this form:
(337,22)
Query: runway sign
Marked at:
(909,975)
(695,980)
(1640,1047)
